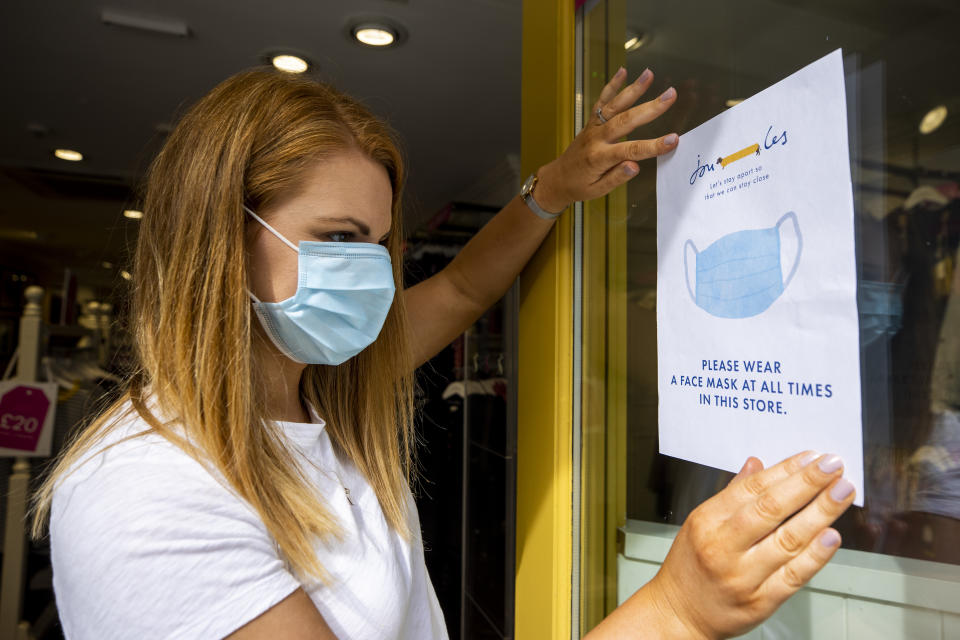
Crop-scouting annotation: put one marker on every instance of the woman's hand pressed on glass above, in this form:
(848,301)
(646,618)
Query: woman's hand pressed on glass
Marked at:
(599,160)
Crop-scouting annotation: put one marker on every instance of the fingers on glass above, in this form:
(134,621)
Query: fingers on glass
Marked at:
(613,178)
(629,95)
(805,488)
(807,526)
(797,572)
(628,120)
(766,478)
(613,86)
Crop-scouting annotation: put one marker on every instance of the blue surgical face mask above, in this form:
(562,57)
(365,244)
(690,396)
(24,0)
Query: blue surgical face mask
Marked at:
(344,293)
(740,275)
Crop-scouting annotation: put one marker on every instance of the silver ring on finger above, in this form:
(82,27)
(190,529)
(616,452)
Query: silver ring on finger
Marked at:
(600,117)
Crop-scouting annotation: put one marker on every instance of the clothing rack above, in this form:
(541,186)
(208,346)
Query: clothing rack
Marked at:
(915,173)
(456,222)
(900,193)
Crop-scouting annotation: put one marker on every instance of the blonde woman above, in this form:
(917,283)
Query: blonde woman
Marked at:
(253,482)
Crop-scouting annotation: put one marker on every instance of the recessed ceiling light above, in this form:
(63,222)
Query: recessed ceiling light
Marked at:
(126,275)
(145,23)
(934,118)
(375,35)
(133,214)
(106,264)
(635,40)
(733,102)
(68,154)
(290,63)
(18,234)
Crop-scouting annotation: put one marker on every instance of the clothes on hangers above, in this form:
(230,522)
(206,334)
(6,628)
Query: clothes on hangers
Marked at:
(446,250)
(925,195)
(487,386)
(921,243)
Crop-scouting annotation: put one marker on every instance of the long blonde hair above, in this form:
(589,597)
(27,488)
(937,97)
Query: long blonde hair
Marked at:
(248,141)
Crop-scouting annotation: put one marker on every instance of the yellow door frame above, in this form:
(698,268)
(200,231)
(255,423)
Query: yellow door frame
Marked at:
(545,444)
(545,385)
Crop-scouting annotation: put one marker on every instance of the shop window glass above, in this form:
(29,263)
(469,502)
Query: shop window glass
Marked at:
(905,165)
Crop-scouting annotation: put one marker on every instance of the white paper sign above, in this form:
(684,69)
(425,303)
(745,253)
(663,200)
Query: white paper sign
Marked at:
(757,329)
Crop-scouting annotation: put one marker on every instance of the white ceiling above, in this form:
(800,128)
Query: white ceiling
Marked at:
(451,90)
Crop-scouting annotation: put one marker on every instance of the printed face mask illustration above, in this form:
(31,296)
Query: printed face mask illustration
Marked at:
(740,275)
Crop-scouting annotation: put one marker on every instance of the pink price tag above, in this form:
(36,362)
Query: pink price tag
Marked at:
(22,412)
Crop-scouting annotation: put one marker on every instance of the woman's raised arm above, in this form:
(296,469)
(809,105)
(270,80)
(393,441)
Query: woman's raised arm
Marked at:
(443,306)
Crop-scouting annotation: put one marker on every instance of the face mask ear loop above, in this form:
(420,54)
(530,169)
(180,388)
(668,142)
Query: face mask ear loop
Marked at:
(796,228)
(271,229)
(686,268)
(255,298)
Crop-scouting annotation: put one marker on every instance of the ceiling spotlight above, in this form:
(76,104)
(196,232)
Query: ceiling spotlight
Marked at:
(635,40)
(375,35)
(133,214)
(68,154)
(18,234)
(126,275)
(145,23)
(733,102)
(934,118)
(106,265)
(290,63)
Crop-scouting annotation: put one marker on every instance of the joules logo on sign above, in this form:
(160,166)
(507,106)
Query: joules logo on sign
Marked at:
(741,274)
(770,140)
(23,413)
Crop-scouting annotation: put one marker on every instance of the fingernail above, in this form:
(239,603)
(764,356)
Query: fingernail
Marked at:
(829,538)
(841,490)
(810,457)
(670,140)
(831,463)
(644,76)
(619,72)
(668,94)
(629,170)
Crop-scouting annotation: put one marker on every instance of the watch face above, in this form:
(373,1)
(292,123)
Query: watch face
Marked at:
(528,185)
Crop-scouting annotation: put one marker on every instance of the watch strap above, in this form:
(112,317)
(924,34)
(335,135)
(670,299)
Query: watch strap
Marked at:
(527,195)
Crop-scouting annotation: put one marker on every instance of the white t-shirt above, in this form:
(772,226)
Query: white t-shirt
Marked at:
(147,543)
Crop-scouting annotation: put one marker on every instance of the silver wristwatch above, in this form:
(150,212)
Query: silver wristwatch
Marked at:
(526,192)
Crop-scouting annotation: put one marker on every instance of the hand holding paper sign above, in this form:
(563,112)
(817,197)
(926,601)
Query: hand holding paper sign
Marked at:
(597,161)
(741,554)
